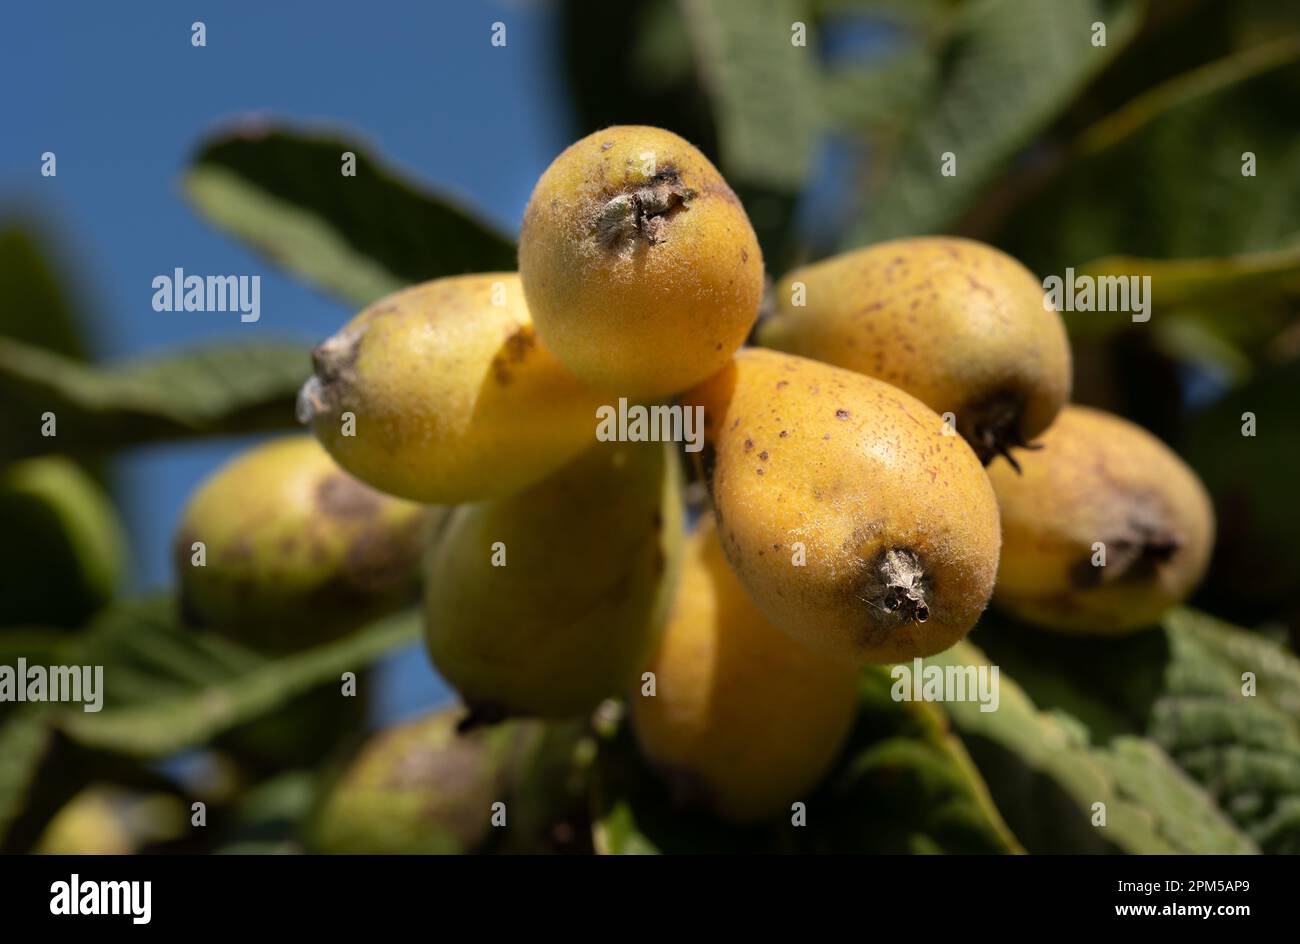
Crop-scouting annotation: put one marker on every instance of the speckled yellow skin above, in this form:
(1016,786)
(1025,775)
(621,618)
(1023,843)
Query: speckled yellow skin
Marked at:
(799,451)
(297,550)
(454,397)
(744,718)
(592,556)
(1099,478)
(953,322)
(639,312)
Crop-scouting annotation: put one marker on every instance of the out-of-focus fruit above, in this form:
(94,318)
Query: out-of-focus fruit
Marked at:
(959,325)
(421,788)
(547,602)
(744,718)
(109,820)
(1100,488)
(296,551)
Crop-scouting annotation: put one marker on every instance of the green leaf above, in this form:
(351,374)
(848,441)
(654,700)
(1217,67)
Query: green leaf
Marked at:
(1255,572)
(63,546)
(37,309)
(1008,68)
(1046,777)
(168,687)
(358,237)
(1181,685)
(217,390)
(904,783)
(761,85)
(1201,288)
(1162,180)
(25,740)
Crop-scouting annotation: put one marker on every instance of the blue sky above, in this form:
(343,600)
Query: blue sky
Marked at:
(121,96)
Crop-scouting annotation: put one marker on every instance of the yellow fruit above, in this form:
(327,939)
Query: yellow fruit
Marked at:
(590,560)
(743,717)
(1100,486)
(295,551)
(641,268)
(417,788)
(421,787)
(453,397)
(959,325)
(104,819)
(855,519)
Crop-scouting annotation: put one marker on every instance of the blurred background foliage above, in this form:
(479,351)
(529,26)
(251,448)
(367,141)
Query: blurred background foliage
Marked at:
(1124,158)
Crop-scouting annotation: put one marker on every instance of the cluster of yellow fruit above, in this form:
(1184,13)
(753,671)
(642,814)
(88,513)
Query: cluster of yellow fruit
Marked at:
(852,519)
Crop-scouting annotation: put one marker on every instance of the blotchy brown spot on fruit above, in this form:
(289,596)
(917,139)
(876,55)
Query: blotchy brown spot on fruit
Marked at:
(339,496)
(518,343)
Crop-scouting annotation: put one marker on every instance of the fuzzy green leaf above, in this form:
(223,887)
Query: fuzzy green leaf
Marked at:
(1182,686)
(169,687)
(1008,68)
(903,784)
(358,237)
(1047,778)
(217,390)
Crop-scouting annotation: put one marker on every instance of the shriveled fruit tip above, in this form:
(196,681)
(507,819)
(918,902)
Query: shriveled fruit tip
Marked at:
(642,211)
(993,428)
(897,586)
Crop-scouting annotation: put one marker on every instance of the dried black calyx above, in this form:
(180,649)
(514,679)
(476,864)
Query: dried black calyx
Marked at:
(642,212)
(992,427)
(1134,556)
(897,585)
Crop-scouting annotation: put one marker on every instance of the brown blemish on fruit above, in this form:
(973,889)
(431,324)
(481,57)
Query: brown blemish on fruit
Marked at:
(516,347)
(841,414)
(338,496)
(1134,556)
